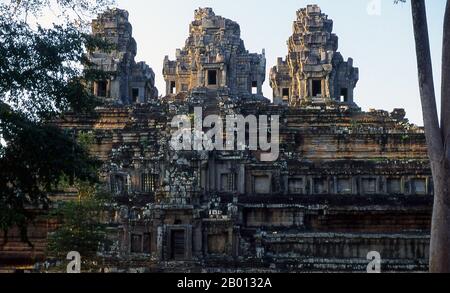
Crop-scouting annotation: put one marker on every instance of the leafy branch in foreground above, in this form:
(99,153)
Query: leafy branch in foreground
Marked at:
(41,77)
(81,228)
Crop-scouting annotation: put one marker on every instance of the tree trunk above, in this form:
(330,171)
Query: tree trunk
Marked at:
(442,218)
(445,92)
(440,240)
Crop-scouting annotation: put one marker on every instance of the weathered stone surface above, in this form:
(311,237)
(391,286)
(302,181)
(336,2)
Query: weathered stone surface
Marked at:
(130,82)
(347,182)
(215,58)
(313,69)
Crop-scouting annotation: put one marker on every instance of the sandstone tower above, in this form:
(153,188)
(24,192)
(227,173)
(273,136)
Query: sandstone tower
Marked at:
(215,59)
(130,82)
(313,70)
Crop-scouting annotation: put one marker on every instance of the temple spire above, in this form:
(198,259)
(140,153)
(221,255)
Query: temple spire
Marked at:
(313,71)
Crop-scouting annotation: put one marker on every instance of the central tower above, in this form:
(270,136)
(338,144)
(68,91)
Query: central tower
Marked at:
(214,58)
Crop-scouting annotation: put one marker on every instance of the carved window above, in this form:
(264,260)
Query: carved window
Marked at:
(212,77)
(135,94)
(296,186)
(316,88)
(285,92)
(369,185)
(136,243)
(254,87)
(344,186)
(344,95)
(172,87)
(149,182)
(320,186)
(119,183)
(394,186)
(102,86)
(228,182)
(419,186)
(177,245)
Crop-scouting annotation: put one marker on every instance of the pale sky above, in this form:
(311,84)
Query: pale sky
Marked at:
(381,43)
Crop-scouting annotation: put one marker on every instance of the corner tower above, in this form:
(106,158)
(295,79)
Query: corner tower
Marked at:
(129,82)
(313,70)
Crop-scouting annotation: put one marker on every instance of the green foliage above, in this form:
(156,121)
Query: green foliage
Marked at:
(41,69)
(86,139)
(82,229)
(41,77)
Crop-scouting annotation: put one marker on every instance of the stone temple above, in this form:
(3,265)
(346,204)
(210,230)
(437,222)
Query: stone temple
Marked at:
(215,59)
(130,82)
(347,182)
(313,69)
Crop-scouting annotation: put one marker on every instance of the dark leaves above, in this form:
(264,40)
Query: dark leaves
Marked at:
(41,77)
(41,71)
(36,157)
(81,229)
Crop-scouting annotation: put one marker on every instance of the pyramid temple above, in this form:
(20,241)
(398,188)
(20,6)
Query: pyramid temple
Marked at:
(346,182)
